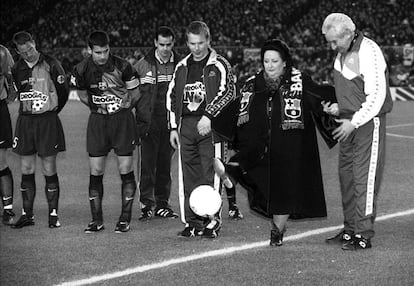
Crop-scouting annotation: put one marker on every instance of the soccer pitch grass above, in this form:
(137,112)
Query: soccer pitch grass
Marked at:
(151,254)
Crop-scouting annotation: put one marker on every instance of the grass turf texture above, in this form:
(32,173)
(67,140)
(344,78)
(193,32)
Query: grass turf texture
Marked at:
(38,255)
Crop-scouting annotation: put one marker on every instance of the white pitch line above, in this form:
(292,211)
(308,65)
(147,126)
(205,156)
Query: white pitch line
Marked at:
(400,125)
(400,136)
(213,253)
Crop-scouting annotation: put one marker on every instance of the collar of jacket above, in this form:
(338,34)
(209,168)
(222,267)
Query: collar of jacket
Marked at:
(212,59)
(150,56)
(356,41)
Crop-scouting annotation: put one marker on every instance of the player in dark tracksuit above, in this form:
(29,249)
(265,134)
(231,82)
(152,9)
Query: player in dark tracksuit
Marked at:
(42,91)
(155,71)
(364,99)
(202,87)
(108,85)
(6,177)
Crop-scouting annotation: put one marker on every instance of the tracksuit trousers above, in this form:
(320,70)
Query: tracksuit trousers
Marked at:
(156,154)
(197,153)
(361,164)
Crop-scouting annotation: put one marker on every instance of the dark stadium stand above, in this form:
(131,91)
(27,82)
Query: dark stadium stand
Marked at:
(61,27)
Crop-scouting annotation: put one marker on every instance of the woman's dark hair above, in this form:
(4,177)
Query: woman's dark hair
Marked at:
(281,47)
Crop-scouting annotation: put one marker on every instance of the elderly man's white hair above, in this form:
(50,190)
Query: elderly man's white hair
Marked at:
(338,22)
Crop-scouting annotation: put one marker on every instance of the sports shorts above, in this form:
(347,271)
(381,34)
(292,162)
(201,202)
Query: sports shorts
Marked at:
(6,131)
(40,133)
(115,131)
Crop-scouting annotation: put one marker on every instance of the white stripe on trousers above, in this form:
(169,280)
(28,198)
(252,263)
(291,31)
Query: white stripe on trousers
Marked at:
(369,205)
(217,154)
(181,195)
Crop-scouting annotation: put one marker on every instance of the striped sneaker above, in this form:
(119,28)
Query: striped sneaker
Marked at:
(165,213)
(146,214)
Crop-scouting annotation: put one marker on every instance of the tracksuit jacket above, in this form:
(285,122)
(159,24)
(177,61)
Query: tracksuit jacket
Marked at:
(362,83)
(220,92)
(148,89)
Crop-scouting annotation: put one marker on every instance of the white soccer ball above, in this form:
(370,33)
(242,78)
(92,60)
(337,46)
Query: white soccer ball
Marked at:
(205,201)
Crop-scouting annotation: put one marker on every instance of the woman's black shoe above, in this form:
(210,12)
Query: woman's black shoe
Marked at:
(276,237)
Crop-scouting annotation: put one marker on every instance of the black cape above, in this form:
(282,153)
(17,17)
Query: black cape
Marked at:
(280,169)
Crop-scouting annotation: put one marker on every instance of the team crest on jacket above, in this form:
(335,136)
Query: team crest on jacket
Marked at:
(32,81)
(292,107)
(60,79)
(102,85)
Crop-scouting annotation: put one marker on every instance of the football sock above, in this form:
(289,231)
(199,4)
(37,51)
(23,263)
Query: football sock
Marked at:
(231,196)
(95,197)
(28,189)
(129,187)
(6,188)
(52,193)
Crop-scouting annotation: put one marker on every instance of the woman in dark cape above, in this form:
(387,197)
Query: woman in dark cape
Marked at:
(277,157)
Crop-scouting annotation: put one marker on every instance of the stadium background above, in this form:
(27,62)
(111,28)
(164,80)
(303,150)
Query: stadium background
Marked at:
(238,28)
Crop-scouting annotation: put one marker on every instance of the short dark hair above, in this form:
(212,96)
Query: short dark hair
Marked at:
(98,38)
(198,28)
(21,38)
(164,31)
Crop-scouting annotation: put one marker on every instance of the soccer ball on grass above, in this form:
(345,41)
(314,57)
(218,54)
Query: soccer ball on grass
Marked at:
(205,201)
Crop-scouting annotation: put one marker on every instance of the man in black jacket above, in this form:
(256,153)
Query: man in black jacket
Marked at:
(155,72)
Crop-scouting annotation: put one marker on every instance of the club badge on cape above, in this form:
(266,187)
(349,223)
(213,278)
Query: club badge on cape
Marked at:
(292,108)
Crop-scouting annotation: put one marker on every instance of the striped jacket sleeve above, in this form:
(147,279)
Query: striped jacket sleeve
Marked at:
(170,101)
(144,71)
(373,69)
(226,91)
